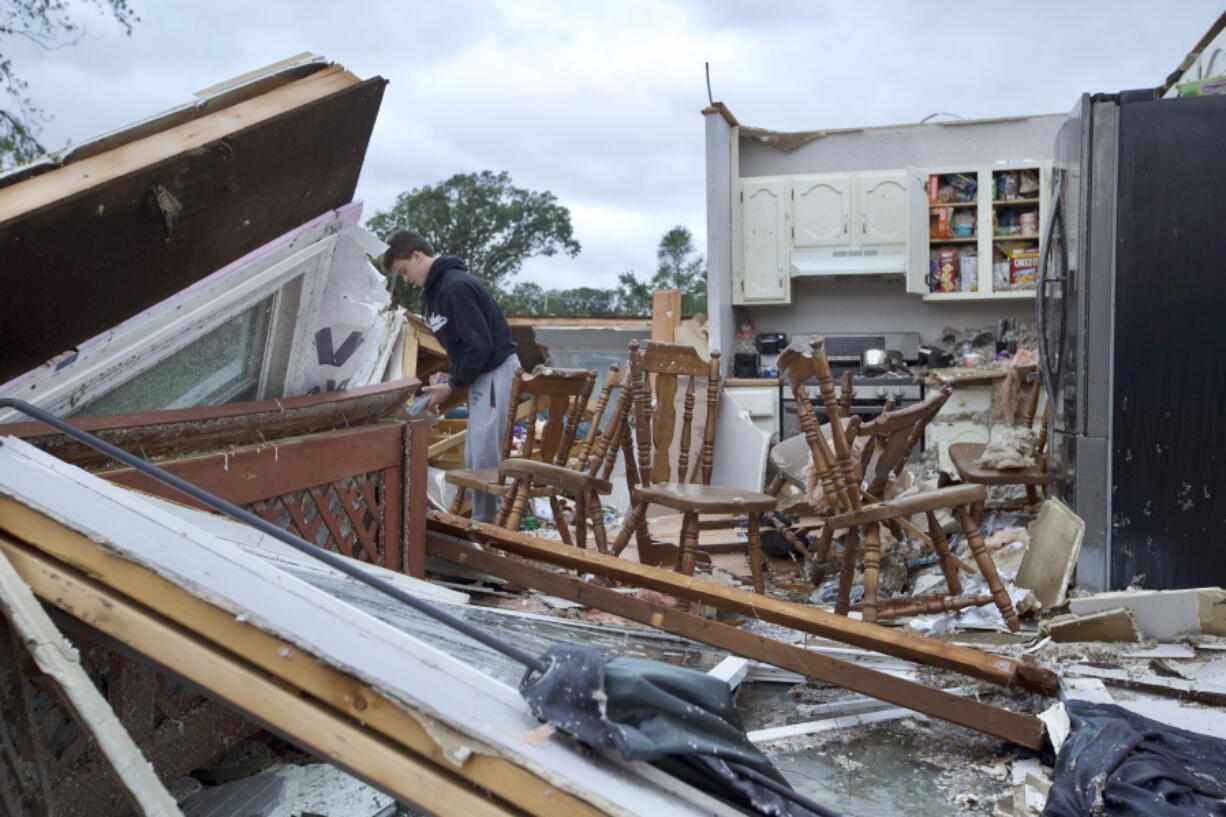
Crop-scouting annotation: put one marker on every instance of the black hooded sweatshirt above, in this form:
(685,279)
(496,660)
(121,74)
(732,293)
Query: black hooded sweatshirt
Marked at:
(466,319)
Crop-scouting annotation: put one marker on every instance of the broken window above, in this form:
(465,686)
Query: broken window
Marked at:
(223,366)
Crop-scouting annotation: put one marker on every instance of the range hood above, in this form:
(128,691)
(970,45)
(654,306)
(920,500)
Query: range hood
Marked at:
(876,261)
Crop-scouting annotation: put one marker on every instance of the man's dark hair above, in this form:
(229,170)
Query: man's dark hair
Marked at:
(403,244)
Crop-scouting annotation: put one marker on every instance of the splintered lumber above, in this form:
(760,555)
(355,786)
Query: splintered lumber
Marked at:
(59,661)
(1005,672)
(1022,729)
(344,741)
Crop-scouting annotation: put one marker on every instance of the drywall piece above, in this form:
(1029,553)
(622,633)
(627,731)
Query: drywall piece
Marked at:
(1056,719)
(831,724)
(1031,784)
(1115,624)
(1213,672)
(1164,615)
(732,669)
(1162,651)
(1085,689)
(741,448)
(1176,687)
(59,661)
(481,715)
(1207,720)
(256,796)
(1055,543)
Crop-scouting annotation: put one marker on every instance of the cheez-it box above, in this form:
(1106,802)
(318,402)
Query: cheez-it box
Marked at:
(1024,265)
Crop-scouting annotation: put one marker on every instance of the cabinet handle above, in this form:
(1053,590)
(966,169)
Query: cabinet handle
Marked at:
(864,223)
(844,224)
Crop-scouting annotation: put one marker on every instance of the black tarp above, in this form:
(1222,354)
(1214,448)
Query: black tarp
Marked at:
(683,721)
(1117,763)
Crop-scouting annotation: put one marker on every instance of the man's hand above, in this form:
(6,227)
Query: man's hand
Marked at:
(439,391)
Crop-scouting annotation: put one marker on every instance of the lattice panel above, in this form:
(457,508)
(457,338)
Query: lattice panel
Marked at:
(345,516)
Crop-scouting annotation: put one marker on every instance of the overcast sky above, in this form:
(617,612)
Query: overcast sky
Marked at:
(599,102)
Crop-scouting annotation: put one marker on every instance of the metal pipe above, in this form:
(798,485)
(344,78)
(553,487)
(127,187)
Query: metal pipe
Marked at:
(234,512)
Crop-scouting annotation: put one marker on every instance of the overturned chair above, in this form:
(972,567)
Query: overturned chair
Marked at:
(862,515)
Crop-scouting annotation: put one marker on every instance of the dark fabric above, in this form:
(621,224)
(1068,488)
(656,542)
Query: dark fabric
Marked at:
(1119,764)
(466,320)
(683,721)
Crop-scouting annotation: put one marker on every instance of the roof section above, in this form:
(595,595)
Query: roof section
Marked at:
(123,222)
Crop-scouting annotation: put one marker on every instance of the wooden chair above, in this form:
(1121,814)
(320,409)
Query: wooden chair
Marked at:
(587,478)
(562,394)
(862,515)
(964,455)
(685,487)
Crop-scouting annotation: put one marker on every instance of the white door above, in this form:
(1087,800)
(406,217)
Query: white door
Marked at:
(882,217)
(764,241)
(917,230)
(821,211)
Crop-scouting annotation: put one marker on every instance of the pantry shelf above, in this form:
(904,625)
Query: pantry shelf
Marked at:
(1028,237)
(1009,294)
(1015,203)
(955,204)
(971,240)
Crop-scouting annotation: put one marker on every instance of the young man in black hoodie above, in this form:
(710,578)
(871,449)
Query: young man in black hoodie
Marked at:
(469,323)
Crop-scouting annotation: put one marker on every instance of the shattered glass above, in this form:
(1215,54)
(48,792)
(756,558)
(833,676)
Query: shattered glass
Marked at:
(223,366)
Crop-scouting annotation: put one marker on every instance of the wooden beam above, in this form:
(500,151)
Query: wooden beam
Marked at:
(665,314)
(1023,729)
(344,741)
(996,669)
(343,694)
(62,664)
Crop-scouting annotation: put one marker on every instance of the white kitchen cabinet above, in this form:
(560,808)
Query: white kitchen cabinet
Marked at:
(881,202)
(988,241)
(760,262)
(822,211)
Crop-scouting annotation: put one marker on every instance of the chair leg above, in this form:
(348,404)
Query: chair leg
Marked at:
(1032,499)
(457,504)
(581,520)
(776,485)
(940,544)
(559,521)
(978,511)
(818,574)
(687,545)
(630,526)
(872,571)
(988,568)
(504,507)
(596,514)
(522,487)
(851,552)
(755,554)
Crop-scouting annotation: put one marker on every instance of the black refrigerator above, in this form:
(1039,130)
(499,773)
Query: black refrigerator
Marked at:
(1131,309)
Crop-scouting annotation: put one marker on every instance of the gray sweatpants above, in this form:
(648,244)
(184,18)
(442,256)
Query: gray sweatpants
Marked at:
(488,396)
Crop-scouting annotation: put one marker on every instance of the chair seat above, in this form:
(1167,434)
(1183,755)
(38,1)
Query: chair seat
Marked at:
(689,497)
(544,473)
(478,479)
(791,456)
(963,456)
(908,505)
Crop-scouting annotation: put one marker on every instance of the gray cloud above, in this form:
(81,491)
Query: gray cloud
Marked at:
(600,104)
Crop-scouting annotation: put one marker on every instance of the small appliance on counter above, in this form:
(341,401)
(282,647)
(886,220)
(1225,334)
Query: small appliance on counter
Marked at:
(746,364)
(769,345)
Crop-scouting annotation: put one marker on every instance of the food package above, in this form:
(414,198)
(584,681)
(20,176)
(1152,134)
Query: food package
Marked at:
(968,269)
(1028,184)
(941,227)
(934,186)
(1007,186)
(947,272)
(963,223)
(964,185)
(1024,268)
(1002,277)
(1211,86)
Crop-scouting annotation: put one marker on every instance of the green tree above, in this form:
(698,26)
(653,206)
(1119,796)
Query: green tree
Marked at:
(483,218)
(526,298)
(49,24)
(679,267)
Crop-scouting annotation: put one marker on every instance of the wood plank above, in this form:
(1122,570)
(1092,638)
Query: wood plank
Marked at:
(1023,729)
(732,670)
(344,694)
(251,474)
(665,314)
(996,669)
(60,662)
(414,500)
(181,432)
(344,741)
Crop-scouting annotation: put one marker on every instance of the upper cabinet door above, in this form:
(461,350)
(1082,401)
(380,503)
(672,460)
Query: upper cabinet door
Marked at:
(822,211)
(918,259)
(764,275)
(882,201)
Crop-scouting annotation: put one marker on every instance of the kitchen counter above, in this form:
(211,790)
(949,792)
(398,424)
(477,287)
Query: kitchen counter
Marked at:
(734,382)
(971,375)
